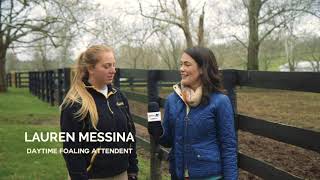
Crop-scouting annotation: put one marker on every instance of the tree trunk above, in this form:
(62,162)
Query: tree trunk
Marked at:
(3,84)
(288,45)
(201,29)
(188,36)
(253,48)
(253,53)
(186,29)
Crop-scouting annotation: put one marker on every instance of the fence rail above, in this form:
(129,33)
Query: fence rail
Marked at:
(280,132)
(295,81)
(18,79)
(52,86)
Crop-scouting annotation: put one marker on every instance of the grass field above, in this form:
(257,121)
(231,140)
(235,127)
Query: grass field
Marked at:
(21,112)
(17,106)
(299,109)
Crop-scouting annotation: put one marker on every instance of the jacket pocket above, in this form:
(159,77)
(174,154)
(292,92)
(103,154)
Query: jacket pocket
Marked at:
(207,155)
(204,123)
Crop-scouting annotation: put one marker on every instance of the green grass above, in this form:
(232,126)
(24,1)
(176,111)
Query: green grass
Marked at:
(17,106)
(21,112)
(17,164)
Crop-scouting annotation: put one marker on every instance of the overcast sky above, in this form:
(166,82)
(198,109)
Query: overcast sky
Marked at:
(216,10)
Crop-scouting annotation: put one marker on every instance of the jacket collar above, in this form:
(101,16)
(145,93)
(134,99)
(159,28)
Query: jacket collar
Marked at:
(178,91)
(88,86)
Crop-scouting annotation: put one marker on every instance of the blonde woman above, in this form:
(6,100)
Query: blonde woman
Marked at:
(92,106)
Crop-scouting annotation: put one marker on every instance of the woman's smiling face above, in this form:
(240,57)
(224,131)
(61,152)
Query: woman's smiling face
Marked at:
(190,72)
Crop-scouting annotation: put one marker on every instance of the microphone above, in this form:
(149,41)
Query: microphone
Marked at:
(154,121)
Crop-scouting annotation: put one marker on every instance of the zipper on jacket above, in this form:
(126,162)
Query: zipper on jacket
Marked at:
(109,107)
(113,91)
(109,94)
(186,119)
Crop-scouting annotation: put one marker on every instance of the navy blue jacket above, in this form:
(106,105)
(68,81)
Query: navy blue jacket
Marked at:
(114,116)
(202,141)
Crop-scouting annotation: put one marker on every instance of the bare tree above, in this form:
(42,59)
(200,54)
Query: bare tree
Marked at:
(265,16)
(313,46)
(40,55)
(129,56)
(169,49)
(18,21)
(134,51)
(290,47)
(271,49)
(150,60)
(73,28)
(12,61)
(67,35)
(177,13)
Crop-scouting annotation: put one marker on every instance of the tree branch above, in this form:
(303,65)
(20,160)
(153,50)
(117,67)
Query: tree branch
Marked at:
(158,19)
(241,42)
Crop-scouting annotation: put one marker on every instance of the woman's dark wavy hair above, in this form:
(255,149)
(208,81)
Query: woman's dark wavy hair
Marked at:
(210,77)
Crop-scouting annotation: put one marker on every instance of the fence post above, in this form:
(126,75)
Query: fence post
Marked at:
(51,87)
(130,80)
(11,79)
(43,85)
(47,86)
(38,84)
(116,79)
(153,96)
(30,82)
(7,80)
(33,85)
(230,80)
(66,80)
(15,79)
(19,80)
(59,86)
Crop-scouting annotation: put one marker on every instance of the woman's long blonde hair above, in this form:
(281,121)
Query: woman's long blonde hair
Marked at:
(78,92)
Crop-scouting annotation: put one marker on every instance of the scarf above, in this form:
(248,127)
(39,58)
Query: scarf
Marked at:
(190,97)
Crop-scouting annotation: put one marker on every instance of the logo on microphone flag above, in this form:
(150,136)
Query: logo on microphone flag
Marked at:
(154,116)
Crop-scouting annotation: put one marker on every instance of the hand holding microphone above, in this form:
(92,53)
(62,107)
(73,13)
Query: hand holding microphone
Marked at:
(154,121)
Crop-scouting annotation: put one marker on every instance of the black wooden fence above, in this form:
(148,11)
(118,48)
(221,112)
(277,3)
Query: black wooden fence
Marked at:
(46,84)
(298,81)
(18,79)
(50,86)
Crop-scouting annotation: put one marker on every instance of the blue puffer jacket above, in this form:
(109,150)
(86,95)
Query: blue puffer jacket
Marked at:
(202,141)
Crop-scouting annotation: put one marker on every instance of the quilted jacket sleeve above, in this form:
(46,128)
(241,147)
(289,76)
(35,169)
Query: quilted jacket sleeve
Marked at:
(227,137)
